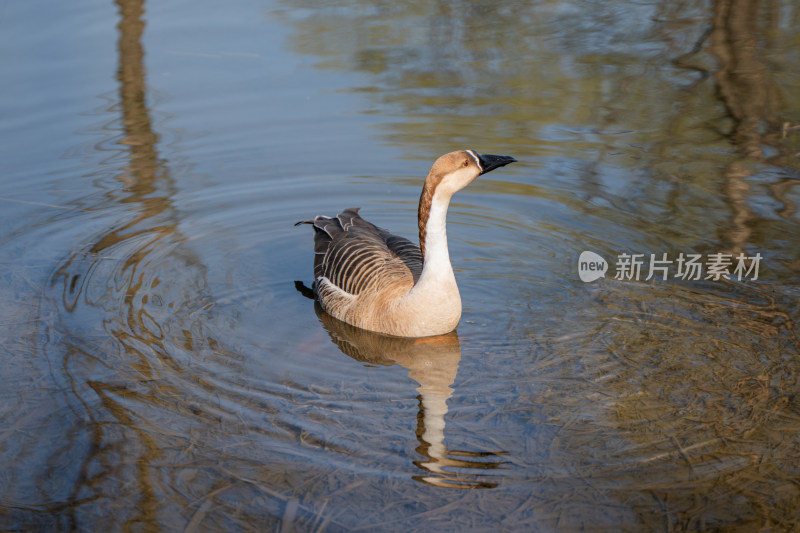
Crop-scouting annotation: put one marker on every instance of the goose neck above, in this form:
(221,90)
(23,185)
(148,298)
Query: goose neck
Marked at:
(436,265)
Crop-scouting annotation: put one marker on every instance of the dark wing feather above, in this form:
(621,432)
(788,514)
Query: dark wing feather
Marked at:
(407,251)
(355,255)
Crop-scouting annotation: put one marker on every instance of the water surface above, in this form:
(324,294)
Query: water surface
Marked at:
(161,371)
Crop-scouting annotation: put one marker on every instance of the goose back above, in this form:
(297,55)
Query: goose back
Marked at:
(356,260)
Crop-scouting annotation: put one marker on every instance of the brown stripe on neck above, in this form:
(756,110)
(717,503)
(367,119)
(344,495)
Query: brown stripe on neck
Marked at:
(424,210)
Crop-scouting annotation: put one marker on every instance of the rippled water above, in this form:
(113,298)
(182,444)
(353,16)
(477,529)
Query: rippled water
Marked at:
(162,372)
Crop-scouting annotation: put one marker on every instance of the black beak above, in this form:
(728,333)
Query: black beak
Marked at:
(491,162)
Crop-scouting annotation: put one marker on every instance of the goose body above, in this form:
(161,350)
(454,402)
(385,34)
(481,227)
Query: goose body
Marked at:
(372,279)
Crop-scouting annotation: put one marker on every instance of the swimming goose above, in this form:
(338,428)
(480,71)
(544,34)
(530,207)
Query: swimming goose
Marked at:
(372,279)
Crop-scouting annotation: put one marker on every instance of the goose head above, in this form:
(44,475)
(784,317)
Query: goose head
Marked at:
(454,171)
(448,175)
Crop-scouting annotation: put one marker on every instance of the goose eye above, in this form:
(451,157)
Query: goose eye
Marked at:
(466,163)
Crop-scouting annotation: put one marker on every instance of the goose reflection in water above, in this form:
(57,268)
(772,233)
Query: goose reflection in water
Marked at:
(433,363)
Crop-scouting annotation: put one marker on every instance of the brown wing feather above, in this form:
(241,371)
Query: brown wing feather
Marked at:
(355,255)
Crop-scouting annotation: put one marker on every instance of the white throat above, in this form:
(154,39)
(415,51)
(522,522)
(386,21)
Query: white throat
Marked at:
(437,272)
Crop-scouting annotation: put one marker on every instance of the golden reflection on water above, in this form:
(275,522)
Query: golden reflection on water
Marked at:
(433,363)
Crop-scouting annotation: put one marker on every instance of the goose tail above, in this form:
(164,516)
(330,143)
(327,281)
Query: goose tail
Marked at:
(325,229)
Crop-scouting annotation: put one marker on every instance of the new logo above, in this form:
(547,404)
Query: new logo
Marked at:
(591,266)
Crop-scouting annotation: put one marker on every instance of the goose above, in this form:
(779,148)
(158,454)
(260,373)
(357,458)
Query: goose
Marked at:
(374,280)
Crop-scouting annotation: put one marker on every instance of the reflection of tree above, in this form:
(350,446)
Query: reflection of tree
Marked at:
(115,278)
(742,77)
(602,95)
(433,363)
(473,71)
(747,91)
